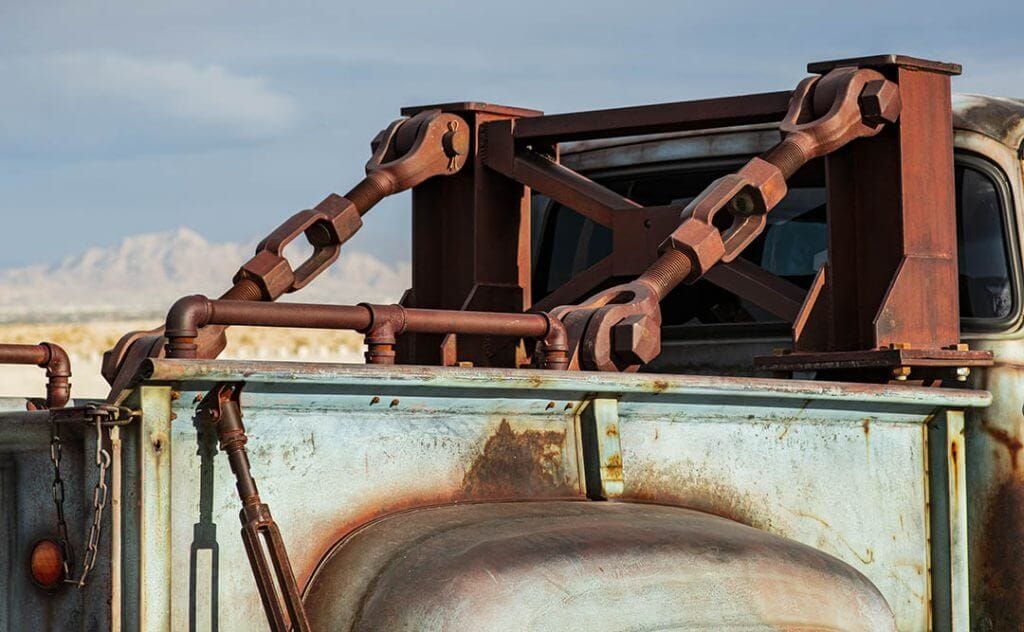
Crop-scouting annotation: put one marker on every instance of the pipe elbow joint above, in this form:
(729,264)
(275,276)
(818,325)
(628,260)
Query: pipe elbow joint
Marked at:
(186,317)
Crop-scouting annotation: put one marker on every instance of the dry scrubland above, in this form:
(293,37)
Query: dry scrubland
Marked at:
(86,342)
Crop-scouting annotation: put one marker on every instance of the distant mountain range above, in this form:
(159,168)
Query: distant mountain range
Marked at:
(144,274)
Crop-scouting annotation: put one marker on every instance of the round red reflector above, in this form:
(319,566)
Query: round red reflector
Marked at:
(47,564)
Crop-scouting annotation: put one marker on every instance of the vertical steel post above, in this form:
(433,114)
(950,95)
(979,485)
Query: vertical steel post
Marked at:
(892,224)
(471,245)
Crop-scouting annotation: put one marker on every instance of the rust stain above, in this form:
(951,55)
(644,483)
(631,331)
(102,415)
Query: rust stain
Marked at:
(784,433)
(867,557)
(954,465)
(695,492)
(613,466)
(514,464)
(998,604)
(866,426)
(612,430)
(659,386)
(1012,444)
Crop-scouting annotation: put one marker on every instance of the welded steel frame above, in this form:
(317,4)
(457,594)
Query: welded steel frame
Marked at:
(891,217)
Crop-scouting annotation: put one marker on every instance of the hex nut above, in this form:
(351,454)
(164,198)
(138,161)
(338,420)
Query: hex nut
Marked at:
(701,243)
(344,219)
(766,180)
(880,102)
(636,339)
(272,273)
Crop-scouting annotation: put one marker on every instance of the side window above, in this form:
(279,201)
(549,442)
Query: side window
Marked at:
(986,291)
(793,246)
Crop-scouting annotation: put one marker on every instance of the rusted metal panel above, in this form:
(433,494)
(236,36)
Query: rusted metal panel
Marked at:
(995,494)
(840,467)
(948,521)
(605,566)
(332,460)
(848,482)
(999,118)
(28,515)
(153,476)
(517,384)
(599,430)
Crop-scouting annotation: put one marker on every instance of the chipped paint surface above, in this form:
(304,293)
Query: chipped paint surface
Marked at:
(839,467)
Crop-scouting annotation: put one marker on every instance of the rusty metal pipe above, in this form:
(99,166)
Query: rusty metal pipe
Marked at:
(48,356)
(191,314)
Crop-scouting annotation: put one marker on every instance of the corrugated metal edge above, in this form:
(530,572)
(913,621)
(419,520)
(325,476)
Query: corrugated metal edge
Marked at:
(622,384)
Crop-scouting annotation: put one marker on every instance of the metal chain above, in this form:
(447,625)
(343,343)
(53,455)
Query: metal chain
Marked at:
(99,498)
(99,502)
(67,553)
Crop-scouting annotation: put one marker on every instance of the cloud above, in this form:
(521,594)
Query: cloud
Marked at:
(103,102)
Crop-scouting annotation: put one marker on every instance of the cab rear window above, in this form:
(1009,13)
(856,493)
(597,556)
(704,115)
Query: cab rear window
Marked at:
(793,246)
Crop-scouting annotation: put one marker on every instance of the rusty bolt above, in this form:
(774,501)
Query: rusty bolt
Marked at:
(880,102)
(636,339)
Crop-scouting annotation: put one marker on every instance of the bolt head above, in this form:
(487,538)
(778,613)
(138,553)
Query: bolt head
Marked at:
(880,102)
(637,339)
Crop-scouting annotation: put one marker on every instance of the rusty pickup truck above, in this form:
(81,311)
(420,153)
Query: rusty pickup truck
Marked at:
(742,363)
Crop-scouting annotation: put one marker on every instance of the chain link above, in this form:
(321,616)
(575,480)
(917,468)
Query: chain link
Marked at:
(56,448)
(99,502)
(99,495)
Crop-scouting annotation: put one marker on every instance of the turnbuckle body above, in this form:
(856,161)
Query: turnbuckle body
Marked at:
(406,153)
(261,536)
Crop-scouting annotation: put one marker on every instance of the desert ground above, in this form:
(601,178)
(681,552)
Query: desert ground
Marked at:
(86,342)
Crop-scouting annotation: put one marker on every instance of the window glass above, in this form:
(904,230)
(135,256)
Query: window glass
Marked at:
(793,246)
(985,290)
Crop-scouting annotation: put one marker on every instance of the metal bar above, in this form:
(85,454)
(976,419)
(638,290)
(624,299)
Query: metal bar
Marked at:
(653,119)
(48,356)
(257,520)
(154,510)
(602,451)
(564,185)
(115,529)
(762,288)
(578,287)
(23,354)
(381,323)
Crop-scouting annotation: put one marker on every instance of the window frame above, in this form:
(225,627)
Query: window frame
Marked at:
(986,167)
(970,325)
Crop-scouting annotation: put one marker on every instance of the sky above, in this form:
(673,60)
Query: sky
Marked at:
(126,117)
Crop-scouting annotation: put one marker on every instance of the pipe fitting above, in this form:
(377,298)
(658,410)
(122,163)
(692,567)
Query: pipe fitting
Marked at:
(553,348)
(186,317)
(58,374)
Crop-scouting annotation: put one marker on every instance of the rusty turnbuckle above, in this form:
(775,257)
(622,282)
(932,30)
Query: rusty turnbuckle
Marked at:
(619,329)
(261,536)
(406,153)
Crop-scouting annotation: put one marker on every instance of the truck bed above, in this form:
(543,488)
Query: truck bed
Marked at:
(862,472)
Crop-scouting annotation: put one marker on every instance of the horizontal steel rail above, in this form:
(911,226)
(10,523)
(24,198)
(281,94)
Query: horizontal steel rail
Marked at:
(680,116)
(380,323)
